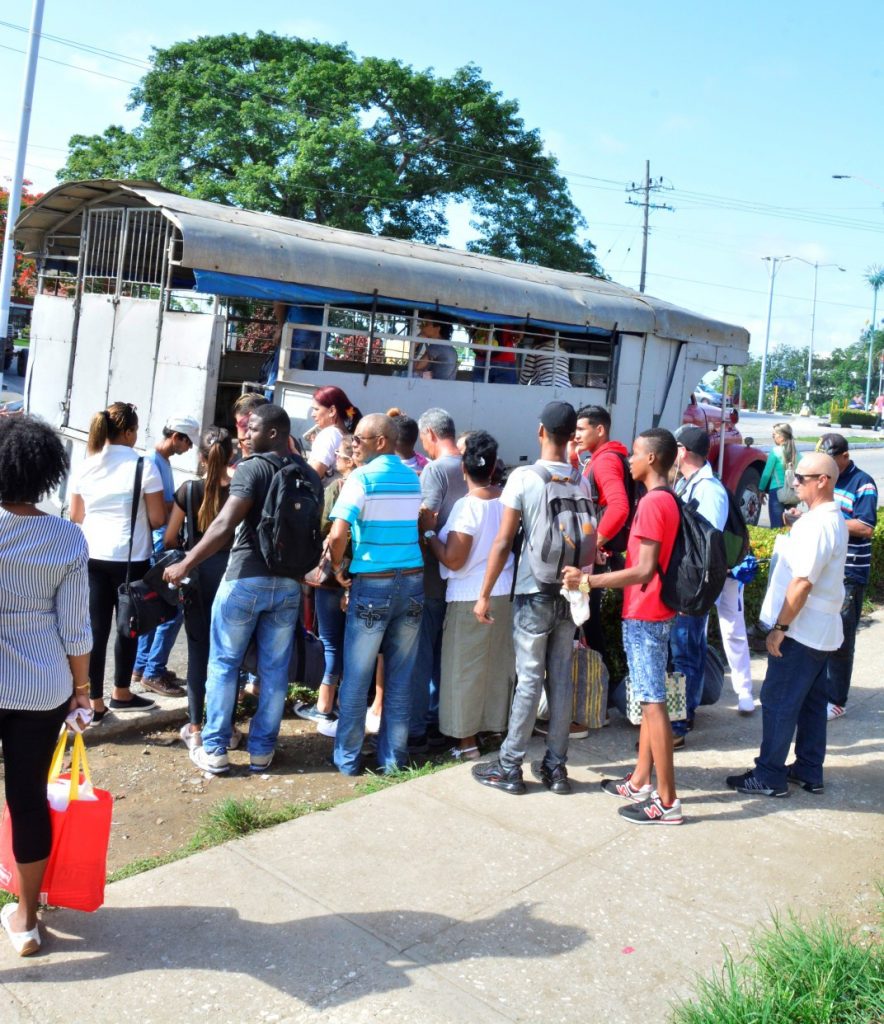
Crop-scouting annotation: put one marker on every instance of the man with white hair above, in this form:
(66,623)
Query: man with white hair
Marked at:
(802,606)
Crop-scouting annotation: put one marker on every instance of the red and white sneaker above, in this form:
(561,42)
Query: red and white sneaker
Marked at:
(834,711)
(652,812)
(625,789)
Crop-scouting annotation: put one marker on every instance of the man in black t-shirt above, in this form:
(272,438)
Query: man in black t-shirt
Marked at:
(250,601)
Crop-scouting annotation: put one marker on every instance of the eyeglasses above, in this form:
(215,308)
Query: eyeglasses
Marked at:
(801,477)
(343,455)
(360,438)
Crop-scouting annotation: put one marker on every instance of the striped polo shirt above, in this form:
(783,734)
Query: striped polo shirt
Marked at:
(857,495)
(380,501)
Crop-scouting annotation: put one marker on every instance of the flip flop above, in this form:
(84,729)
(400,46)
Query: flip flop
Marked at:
(25,943)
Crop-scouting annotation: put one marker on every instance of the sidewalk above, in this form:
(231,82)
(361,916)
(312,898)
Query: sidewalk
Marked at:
(440,900)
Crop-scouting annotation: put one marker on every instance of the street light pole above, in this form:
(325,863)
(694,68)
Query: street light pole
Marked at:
(772,270)
(875,288)
(816,269)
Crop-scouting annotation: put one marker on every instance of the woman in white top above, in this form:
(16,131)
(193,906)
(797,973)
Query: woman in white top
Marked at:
(101,503)
(334,415)
(478,660)
(44,650)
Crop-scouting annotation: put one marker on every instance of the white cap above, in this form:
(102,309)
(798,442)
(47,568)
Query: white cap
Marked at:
(186,425)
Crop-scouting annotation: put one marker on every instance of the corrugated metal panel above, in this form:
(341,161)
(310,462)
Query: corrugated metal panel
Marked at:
(235,241)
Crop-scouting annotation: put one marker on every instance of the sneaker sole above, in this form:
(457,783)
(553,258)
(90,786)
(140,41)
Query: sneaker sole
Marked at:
(808,787)
(260,767)
(654,821)
(507,788)
(637,798)
(205,767)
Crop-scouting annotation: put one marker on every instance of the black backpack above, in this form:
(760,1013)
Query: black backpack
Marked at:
(618,542)
(288,533)
(563,532)
(736,533)
(698,565)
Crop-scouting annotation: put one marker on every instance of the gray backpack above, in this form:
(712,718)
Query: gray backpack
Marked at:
(562,534)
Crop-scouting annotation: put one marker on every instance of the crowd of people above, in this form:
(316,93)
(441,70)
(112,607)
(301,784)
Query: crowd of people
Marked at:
(442,613)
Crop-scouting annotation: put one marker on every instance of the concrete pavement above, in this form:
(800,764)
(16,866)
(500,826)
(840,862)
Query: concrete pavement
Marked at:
(440,900)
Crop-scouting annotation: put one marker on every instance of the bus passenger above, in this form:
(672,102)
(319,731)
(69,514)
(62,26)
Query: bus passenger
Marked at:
(334,415)
(545,365)
(502,362)
(436,361)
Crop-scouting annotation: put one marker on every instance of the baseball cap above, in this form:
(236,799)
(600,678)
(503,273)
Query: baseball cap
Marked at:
(186,425)
(693,439)
(559,418)
(832,444)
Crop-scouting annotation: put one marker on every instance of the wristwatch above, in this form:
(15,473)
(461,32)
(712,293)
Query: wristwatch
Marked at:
(428,534)
(781,627)
(583,585)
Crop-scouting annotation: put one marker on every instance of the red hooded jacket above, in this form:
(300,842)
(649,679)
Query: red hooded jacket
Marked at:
(607,472)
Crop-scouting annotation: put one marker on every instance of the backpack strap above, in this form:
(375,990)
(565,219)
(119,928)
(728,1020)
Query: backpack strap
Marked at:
(136,497)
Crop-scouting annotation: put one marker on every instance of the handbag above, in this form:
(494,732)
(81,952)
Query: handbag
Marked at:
(81,822)
(322,575)
(590,678)
(676,699)
(140,606)
(787,495)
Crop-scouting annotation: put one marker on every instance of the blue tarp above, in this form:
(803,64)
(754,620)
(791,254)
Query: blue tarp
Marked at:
(212,282)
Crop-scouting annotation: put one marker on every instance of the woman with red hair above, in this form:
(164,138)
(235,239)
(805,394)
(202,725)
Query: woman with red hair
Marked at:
(334,415)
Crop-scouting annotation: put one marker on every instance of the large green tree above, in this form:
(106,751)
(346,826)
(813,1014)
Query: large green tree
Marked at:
(308,130)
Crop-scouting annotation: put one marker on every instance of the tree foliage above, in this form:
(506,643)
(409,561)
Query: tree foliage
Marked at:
(308,130)
(24,274)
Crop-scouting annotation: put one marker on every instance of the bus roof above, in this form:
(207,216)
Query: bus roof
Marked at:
(274,250)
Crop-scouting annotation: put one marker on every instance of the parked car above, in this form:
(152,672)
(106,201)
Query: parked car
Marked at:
(707,396)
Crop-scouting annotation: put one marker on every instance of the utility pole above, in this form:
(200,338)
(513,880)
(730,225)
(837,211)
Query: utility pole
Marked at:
(646,190)
(14,205)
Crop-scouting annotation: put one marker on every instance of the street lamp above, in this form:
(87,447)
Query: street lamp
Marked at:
(875,277)
(772,270)
(816,269)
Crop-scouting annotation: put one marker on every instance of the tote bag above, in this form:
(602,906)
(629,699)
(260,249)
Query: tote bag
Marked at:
(676,699)
(77,868)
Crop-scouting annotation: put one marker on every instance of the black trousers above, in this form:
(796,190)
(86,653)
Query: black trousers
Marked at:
(29,739)
(104,580)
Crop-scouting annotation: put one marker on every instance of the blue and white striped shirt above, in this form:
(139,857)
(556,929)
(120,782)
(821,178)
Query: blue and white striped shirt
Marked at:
(857,495)
(380,501)
(44,609)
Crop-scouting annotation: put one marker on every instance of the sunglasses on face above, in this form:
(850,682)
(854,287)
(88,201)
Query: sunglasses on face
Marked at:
(801,477)
(361,438)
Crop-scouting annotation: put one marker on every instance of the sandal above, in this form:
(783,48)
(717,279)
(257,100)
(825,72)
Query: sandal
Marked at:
(464,753)
(25,943)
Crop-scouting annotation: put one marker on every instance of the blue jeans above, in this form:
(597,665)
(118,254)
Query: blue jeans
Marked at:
(330,625)
(841,661)
(427,669)
(496,374)
(543,635)
(266,607)
(155,647)
(775,510)
(687,645)
(383,617)
(793,703)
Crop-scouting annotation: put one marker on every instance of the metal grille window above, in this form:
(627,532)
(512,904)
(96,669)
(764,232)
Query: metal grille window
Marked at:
(125,252)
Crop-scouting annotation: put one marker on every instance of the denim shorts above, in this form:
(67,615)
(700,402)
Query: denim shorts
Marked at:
(647,654)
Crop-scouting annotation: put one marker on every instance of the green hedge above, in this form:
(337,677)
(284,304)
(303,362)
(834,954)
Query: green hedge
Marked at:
(762,542)
(855,418)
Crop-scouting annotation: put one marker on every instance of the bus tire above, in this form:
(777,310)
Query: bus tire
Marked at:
(748,495)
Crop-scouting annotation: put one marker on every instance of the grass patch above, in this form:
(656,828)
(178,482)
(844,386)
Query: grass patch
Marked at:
(376,781)
(795,974)
(853,439)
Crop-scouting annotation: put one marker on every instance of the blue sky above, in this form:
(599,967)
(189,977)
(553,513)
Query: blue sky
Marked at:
(746,113)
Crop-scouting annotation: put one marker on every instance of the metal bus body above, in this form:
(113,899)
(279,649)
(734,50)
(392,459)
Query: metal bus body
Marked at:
(139,287)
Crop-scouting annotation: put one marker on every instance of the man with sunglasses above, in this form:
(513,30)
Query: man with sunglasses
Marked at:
(378,504)
(803,608)
(856,493)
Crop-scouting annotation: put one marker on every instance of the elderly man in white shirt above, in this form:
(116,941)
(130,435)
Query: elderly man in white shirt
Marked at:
(803,608)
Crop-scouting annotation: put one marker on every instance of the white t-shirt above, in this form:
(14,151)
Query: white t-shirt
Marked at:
(524,492)
(324,446)
(815,549)
(106,483)
(480,520)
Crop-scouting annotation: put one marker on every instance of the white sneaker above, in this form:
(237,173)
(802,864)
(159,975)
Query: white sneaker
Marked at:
(190,737)
(834,711)
(327,728)
(260,762)
(746,703)
(214,764)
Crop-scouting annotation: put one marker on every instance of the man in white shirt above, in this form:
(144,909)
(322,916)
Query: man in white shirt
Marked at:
(803,608)
(687,639)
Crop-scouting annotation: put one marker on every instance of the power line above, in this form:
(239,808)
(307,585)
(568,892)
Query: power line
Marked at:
(76,67)
(85,47)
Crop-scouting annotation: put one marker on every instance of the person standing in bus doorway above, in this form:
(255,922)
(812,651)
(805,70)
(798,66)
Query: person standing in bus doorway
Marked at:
(442,483)
(180,434)
(437,359)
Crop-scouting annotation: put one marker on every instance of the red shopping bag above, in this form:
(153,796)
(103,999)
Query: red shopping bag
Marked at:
(77,867)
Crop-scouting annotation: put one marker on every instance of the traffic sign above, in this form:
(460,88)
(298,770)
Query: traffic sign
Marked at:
(782,382)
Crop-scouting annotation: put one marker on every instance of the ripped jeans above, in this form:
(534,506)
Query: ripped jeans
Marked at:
(383,617)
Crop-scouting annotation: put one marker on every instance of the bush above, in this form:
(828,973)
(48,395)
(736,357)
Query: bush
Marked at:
(856,418)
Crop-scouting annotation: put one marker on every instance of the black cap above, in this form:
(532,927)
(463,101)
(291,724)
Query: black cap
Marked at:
(559,418)
(693,439)
(832,444)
